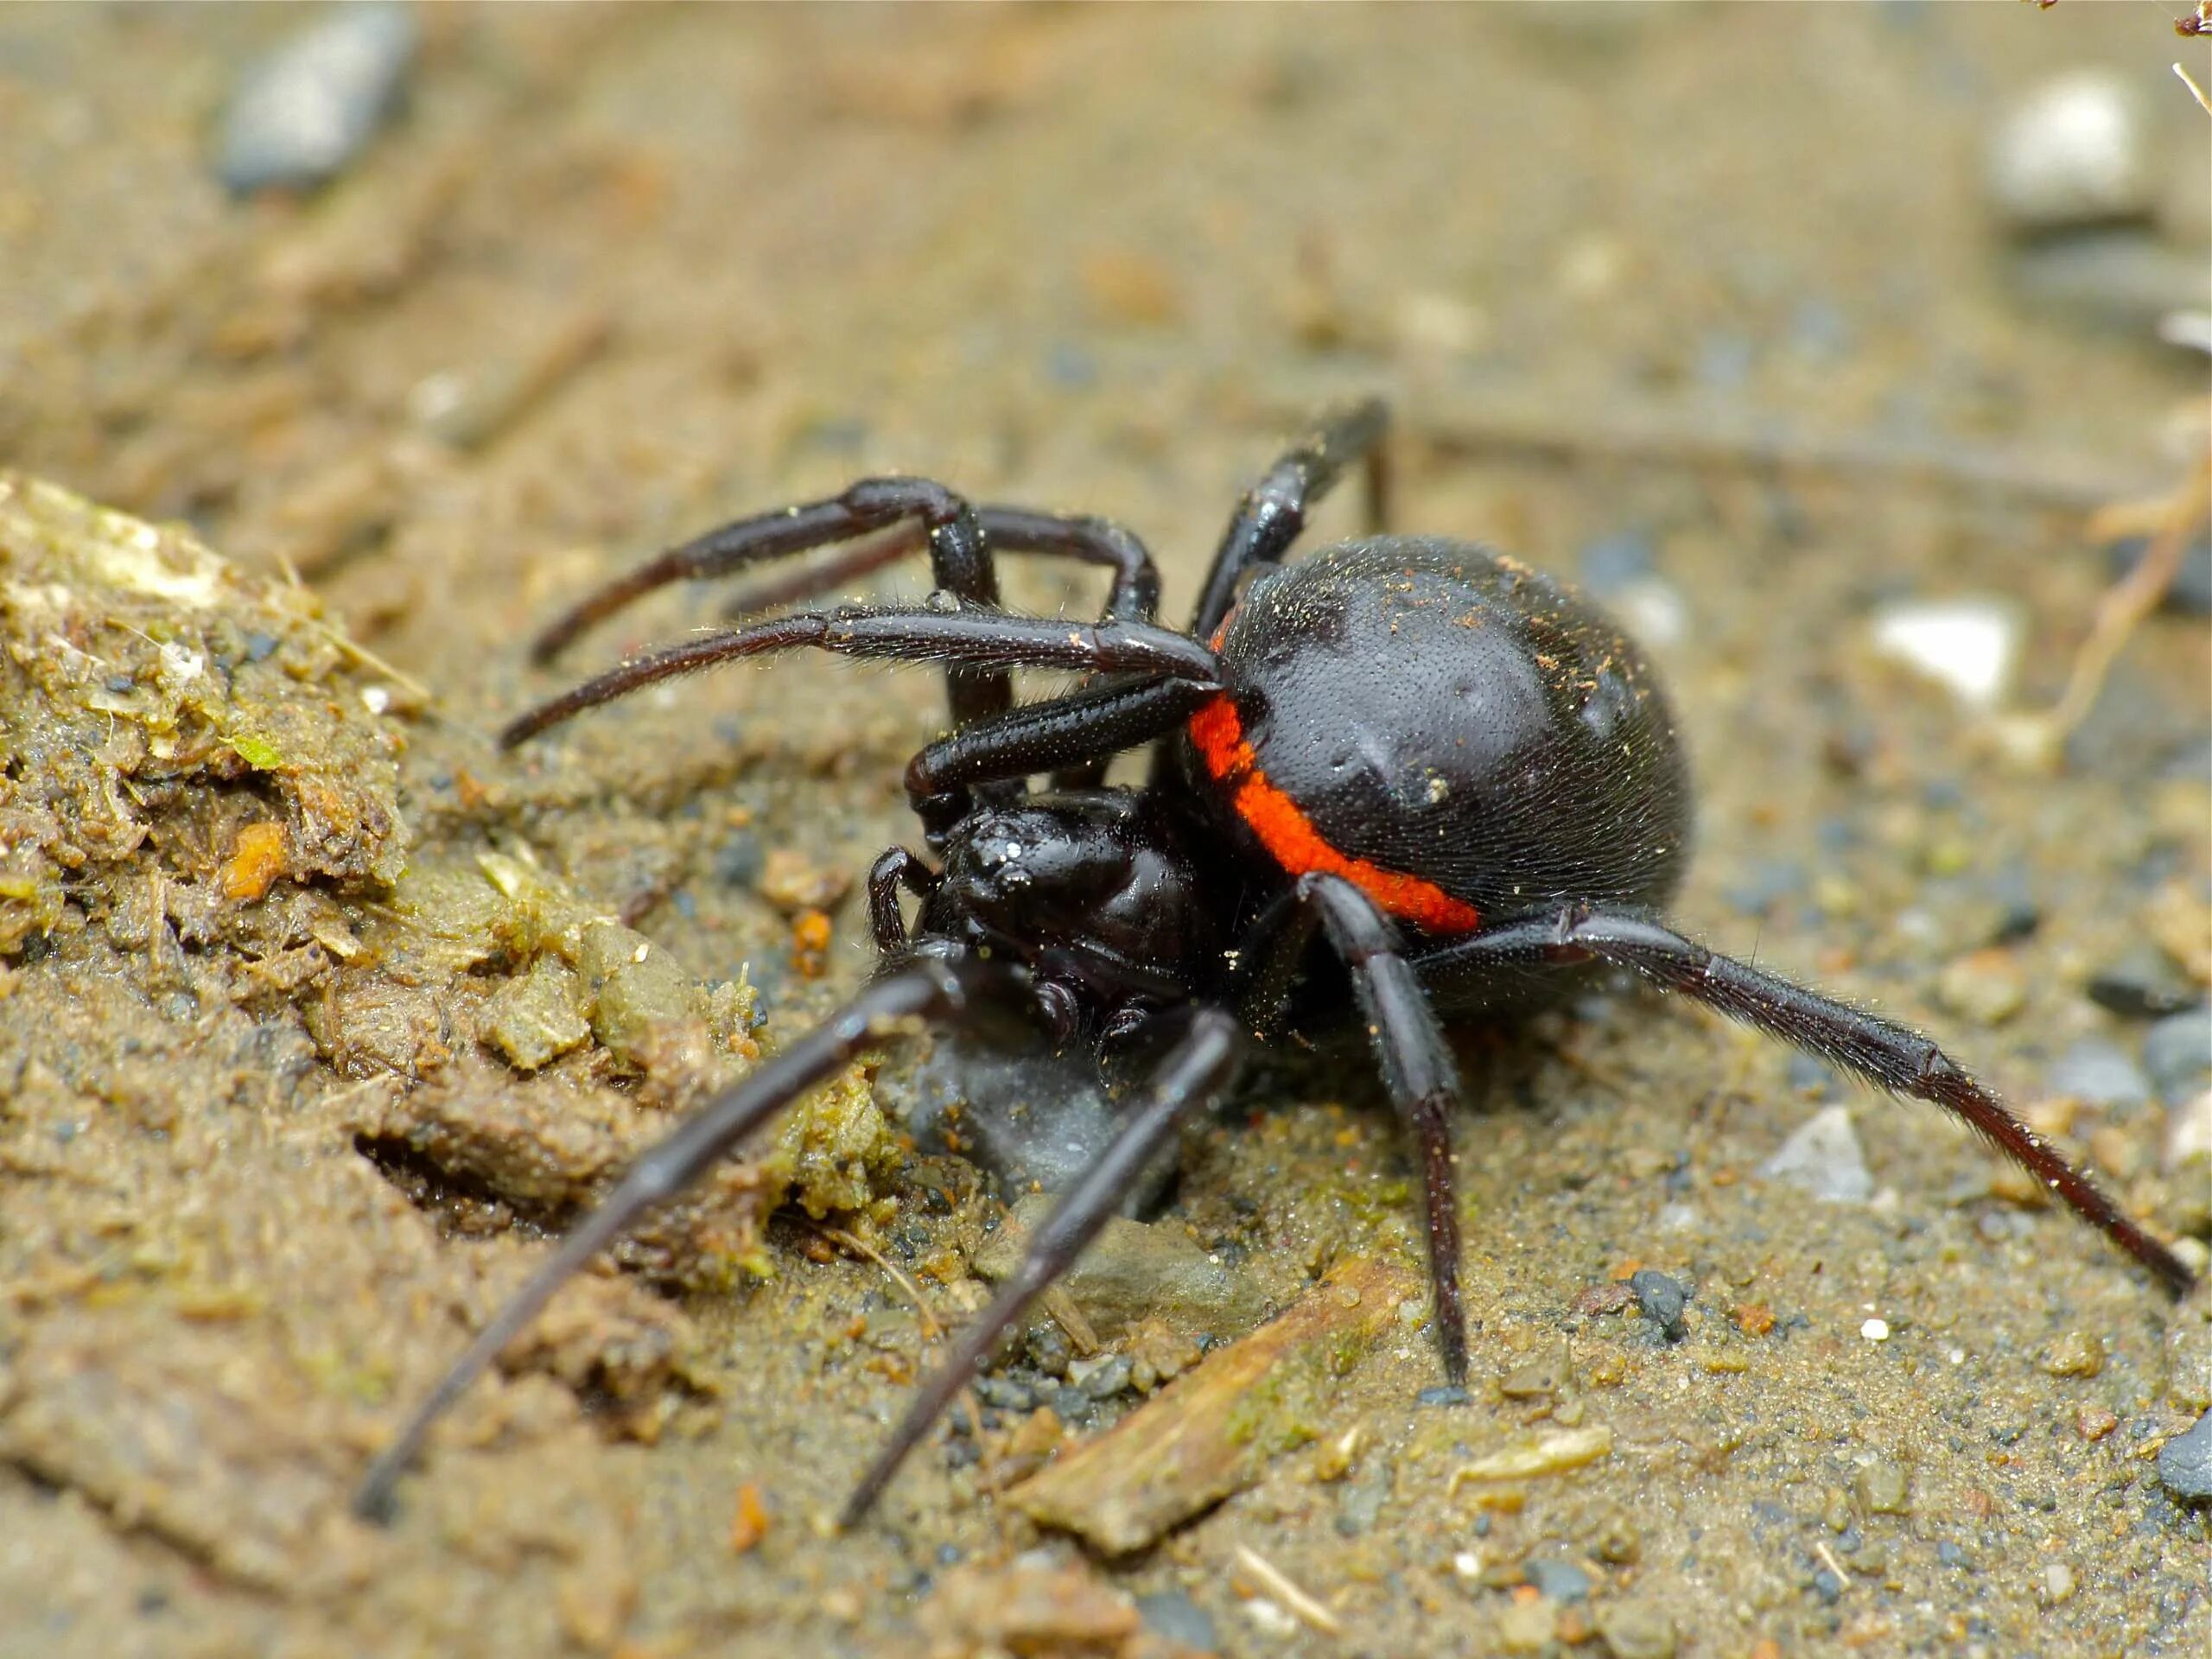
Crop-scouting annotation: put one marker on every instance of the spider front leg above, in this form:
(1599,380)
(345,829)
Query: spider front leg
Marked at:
(1408,1045)
(1891,1057)
(982,639)
(921,989)
(898,514)
(1202,1064)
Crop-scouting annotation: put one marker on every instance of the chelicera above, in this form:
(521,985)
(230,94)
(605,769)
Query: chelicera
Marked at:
(1404,762)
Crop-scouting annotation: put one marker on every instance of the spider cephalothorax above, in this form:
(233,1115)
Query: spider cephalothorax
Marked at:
(1414,758)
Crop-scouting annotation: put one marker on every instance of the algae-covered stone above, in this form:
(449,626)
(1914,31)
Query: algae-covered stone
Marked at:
(154,701)
(533,1018)
(636,991)
(836,1146)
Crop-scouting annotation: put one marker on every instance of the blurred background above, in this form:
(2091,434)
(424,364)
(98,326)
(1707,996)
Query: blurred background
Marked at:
(1849,353)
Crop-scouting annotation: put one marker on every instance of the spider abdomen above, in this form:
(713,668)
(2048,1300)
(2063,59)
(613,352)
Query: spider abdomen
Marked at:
(1461,737)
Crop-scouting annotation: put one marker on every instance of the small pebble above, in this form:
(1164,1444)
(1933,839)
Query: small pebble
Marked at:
(2185,1463)
(1884,1488)
(2099,1073)
(1967,645)
(2142,984)
(1823,1158)
(1875,1330)
(1987,987)
(1005,1392)
(1556,1580)
(2075,1354)
(2178,1053)
(1443,1395)
(1661,1300)
(1360,1500)
(300,115)
(1103,1378)
(1636,1630)
(1173,1615)
(2073,152)
(1527,1626)
(2188,1133)
(2057,1583)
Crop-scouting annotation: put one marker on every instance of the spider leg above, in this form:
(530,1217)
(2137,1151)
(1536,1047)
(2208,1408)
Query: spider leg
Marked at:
(1196,1070)
(1268,519)
(920,989)
(895,869)
(1409,1050)
(959,561)
(1135,595)
(1891,1057)
(982,639)
(961,539)
(1061,731)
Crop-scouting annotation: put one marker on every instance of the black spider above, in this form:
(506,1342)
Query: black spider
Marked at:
(1453,770)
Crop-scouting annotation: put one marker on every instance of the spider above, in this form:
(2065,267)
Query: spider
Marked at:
(1414,756)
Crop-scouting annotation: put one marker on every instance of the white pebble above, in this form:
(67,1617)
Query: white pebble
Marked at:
(1875,1330)
(2075,152)
(1822,1157)
(181,665)
(1270,1617)
(2189,1132)
(1968,646)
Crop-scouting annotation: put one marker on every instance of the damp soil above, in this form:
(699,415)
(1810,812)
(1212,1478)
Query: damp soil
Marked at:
(319,1015)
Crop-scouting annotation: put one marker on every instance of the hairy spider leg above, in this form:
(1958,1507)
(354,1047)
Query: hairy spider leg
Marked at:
(1201,1066)
(990,639)
(921,989)
(1891,1057)
(1408,1042)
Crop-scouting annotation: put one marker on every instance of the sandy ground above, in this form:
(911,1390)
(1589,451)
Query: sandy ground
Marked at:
(1716,284)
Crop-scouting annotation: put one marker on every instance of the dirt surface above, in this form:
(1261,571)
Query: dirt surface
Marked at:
(316,1012)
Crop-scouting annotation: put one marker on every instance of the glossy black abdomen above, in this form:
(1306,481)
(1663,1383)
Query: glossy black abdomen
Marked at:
(1437,710)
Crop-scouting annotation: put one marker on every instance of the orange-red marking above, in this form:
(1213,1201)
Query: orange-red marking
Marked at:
(1286,831)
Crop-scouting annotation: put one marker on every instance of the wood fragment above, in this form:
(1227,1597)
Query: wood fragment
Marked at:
(1552,1454)
(1212,1432)
(2131,598)
(1661,436)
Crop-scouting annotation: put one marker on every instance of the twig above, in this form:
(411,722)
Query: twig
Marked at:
(1272,1579)
(1828,1561)
(2195,91)
(349,648)
(1657,435)
(2128,600)
(930,1329)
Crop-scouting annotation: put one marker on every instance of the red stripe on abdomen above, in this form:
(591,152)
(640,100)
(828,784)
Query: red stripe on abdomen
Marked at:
(1217,731)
